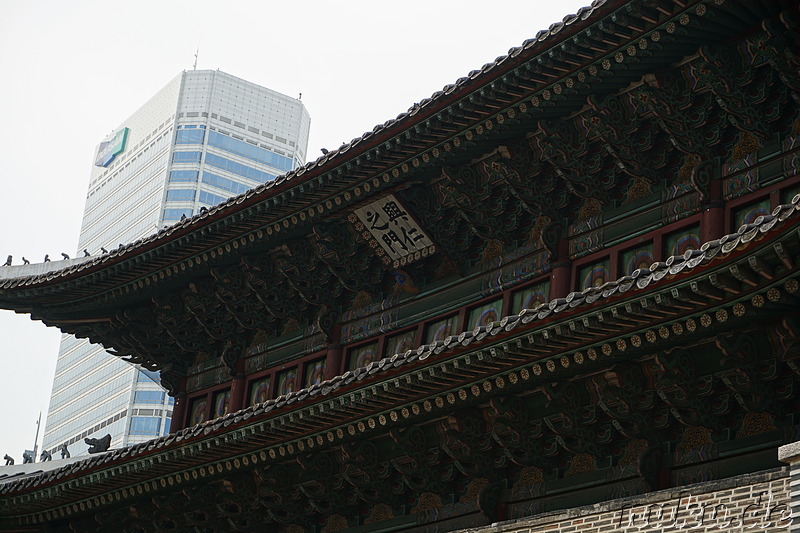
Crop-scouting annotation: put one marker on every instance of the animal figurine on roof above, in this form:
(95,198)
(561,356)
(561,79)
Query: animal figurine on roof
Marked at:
(9,460)
(98,445)
(27,457)
(64,451)
(45,456)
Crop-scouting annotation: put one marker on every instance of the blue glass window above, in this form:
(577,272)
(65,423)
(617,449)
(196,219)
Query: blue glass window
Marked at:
(189,137)
(167,422)
(236,168)
(148,396)
(175,214)
(145,425)
(224,183)
(249,151)
(181,194)
(183,175)
(211,199)
(186,157)
(147,375)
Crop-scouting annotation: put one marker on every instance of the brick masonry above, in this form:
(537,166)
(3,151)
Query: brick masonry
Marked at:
(752,502)
(791,454)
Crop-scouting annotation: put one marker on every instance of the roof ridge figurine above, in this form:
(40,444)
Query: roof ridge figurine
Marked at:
(98,445)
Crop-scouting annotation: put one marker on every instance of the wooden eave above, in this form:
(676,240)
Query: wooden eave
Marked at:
(582,334)
(392,153)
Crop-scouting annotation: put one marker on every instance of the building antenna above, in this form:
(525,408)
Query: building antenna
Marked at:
(36,440)
(195,57)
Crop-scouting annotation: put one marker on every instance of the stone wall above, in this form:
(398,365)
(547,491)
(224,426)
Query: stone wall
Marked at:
(752,502)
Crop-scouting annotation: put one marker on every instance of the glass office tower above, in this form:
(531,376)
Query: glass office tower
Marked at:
(203,138)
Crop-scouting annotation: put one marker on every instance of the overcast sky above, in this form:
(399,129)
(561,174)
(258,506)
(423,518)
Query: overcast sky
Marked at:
(73,71)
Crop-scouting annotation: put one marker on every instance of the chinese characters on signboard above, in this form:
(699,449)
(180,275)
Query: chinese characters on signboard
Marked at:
(386,224)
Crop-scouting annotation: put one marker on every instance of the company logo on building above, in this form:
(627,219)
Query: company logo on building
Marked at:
(108,150)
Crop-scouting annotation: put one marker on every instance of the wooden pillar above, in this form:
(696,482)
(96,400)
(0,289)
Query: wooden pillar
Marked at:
(333,360)
(561,276)
(238,392)
(560,280)
(712,223)
(333,357)
(178,413)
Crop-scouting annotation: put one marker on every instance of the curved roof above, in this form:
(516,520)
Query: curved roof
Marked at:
(535,329)
(544,39)
(611,56)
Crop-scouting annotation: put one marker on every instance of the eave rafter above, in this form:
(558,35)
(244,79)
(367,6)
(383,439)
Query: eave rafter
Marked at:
(437,137)
(478,406)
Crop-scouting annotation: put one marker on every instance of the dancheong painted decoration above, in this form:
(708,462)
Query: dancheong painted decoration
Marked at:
(569,277)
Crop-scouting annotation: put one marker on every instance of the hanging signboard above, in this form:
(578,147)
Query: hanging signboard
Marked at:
(397,237)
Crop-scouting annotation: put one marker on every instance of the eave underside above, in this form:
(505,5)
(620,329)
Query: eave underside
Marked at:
(621,114)
(684,384)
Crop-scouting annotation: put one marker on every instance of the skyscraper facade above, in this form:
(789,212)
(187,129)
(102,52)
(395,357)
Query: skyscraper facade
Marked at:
(206,136)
